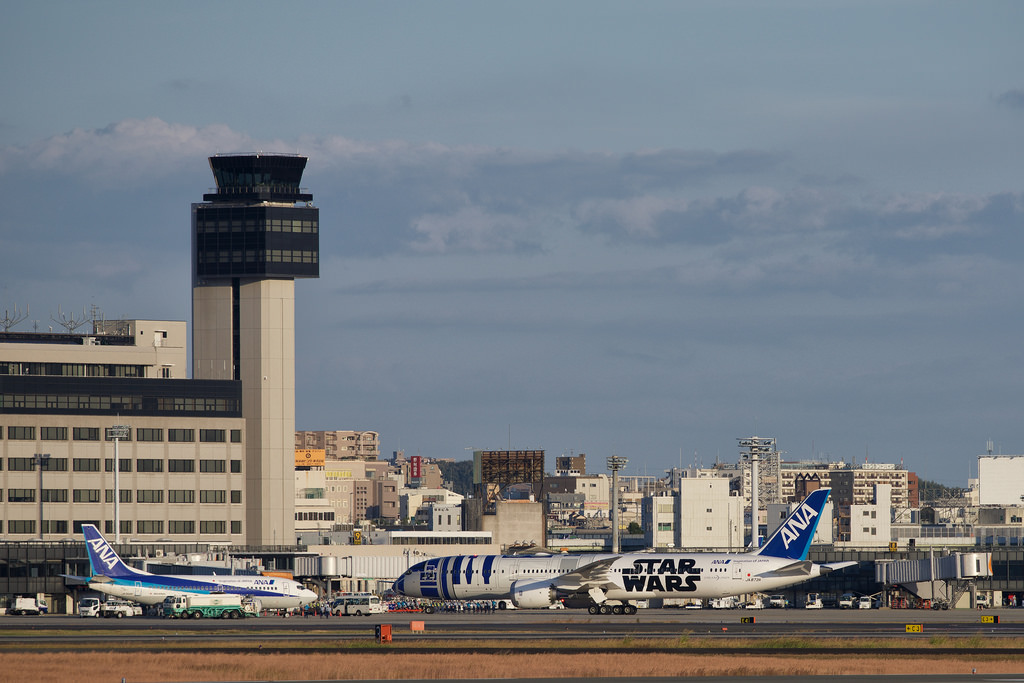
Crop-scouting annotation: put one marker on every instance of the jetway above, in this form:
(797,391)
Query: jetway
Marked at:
(956,572)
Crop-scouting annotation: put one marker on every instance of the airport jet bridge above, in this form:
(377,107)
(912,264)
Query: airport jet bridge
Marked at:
(957,572)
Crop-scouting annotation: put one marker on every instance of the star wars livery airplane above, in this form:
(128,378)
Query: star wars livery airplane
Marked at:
(112,576)
(609,583)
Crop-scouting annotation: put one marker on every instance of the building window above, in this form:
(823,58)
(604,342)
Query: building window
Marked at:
(149,526)
(53,433)
(212,466)
(125,495)
(86,464)
(126,527)
(149,434)
(21,464)
(149,496)
(236,527)
(86,496)
(211,496)
(21,526)
(55,465)
(236,436)
(22,433)
(55,495)
(123,464)
(181,496)
(236,496)
(176,465)
(211,435)
(149,465)
(85,434)
(181,435)
(21,495)
(76,525)
(236,466)
(212,527)
(55,526)
(181,526)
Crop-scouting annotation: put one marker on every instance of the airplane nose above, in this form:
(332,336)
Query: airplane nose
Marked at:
(399,586)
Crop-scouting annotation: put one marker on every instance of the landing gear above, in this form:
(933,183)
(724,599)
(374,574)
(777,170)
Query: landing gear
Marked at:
(606,608)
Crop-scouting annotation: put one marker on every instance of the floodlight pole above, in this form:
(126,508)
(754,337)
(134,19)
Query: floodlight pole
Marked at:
(615,463)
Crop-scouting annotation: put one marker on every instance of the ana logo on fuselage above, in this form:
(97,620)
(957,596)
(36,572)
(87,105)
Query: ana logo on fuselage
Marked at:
(797,523)
(667,575)
(104,552)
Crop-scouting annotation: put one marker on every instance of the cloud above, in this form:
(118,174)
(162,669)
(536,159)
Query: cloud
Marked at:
(1013,99)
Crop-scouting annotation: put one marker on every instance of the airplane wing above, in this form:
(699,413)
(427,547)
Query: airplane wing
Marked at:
(587,577)
(790,570)
(805,568)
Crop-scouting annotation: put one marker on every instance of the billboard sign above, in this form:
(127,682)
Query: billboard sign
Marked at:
(416,466)
(310,457)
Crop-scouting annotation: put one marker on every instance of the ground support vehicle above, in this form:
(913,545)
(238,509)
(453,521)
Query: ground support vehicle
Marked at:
(777,602)
(27,606)
(89,607)
(813,601)
(847,601)
(211,606)
(119,609)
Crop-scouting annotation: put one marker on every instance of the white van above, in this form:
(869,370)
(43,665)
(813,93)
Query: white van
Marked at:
(865,602)
(89,607)
(358,604)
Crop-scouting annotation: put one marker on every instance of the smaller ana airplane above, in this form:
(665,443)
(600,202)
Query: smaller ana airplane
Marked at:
(610,583)
(112,576)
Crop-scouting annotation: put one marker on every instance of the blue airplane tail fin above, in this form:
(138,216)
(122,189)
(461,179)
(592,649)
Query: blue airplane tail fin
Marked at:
(792,539)
(103,560)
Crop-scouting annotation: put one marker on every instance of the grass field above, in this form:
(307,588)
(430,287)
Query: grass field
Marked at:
(362,660)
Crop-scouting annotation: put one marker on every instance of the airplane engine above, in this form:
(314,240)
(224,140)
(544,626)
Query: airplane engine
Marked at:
(532,594)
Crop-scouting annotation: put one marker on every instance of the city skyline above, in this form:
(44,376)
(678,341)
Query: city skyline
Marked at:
(646,231)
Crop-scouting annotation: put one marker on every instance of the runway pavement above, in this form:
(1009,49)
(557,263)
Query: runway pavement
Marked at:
(524,625)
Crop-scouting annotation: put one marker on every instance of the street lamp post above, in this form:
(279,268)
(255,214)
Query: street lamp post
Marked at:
(41,459)
(615,463)
(117,432)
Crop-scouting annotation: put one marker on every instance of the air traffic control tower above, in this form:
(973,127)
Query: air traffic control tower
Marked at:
(250,240)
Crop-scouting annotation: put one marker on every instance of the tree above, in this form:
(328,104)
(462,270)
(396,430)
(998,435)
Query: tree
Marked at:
(634,528)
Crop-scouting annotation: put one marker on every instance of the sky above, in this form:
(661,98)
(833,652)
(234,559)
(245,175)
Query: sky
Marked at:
(638,229)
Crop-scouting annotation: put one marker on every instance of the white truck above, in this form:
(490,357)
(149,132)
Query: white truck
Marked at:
(27,606)
(210,605)
(119,609)
(813,601)
(89,607)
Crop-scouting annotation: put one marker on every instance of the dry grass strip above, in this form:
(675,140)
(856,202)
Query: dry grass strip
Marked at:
(86,667)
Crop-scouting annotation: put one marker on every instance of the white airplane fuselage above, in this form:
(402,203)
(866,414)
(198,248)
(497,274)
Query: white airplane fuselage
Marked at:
(635,576)
(272,592)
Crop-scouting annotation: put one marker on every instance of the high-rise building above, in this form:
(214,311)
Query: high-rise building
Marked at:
(250,240)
